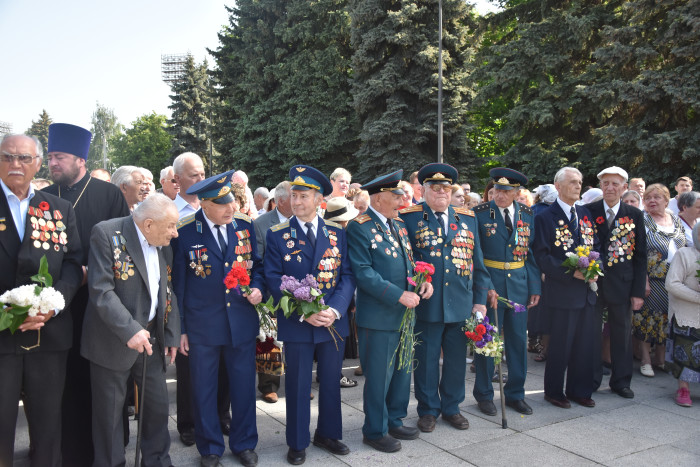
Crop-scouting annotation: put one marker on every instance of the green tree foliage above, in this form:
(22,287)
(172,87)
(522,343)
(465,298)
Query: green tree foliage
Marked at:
(395,69)
(40,129)
(591,84)
(284,76)
(191,120)
(105,126)
(147,143)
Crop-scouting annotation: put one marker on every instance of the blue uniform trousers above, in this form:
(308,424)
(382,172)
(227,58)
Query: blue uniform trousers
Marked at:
(299,361)
(204,370)
(514,328)
(438,394)
(572,349)
(387,390)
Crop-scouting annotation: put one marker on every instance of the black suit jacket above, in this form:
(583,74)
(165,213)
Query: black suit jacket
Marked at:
(19,261)
(627,277)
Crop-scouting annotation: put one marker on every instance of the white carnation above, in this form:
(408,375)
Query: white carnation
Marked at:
(51,299)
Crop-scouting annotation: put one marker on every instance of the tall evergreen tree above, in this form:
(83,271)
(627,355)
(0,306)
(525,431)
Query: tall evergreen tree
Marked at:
(395,70)
(105,126)
(191,120)
(146,143)
(40,129)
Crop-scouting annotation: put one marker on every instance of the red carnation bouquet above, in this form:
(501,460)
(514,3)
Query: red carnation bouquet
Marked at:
(238,279)
(407,342)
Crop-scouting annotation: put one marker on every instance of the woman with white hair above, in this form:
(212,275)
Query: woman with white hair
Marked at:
(683,345)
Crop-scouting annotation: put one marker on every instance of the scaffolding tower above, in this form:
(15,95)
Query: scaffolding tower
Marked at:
(173,67)
(5,128)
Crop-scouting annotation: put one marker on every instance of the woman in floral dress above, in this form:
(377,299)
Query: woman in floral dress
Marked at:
(665,235)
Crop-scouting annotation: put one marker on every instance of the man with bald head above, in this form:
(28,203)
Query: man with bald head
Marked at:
(188,169)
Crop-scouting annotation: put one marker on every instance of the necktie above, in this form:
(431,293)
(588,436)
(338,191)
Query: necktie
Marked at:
(574,218)
(440,219)
(391,229)
(611,217)
(220,237)
(509,223)
(310,234)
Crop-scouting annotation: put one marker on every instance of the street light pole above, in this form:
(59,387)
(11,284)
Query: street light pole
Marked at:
(440,148)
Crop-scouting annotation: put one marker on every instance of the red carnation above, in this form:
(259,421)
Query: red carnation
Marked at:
(44,206)
(230,282)
(599,220)
(480,329)
(240,274)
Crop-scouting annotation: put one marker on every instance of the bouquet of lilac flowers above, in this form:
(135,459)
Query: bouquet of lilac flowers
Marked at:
(517,307)
(585,260)
(305,298)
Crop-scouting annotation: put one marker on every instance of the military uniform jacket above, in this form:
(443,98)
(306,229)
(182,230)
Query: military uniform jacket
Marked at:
(554,237)
(289,253)
(623,251)
(50,230)
(460,278)
(120,299)
(210,313)
(516,284)
(381,265)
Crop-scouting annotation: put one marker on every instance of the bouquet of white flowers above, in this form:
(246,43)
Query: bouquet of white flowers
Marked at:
(30,300)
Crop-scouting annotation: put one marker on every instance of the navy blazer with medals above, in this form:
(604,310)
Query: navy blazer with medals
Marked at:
(560,287)
(210,313)
(19,261)
(625,276)
(289,252)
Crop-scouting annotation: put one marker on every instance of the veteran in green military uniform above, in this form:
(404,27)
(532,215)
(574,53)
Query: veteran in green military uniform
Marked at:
(506,228)
(446,237)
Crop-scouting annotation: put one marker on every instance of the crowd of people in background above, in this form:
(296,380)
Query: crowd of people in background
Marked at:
(142,270)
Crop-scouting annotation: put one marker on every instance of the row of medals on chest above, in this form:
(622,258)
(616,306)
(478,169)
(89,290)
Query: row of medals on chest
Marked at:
(621,242)
(378,239)
(122,269)
(44,229)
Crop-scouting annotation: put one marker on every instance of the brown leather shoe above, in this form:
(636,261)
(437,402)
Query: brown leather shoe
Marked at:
(561,403)
(270,397)
(584,401)
(457,420)
(426,423)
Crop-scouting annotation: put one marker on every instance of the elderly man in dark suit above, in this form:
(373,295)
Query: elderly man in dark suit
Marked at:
(131,300)
(623,247)
(559,229)
(269,384)
(34,224)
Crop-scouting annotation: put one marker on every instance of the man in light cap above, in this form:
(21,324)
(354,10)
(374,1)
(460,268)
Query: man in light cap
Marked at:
(448,238)
(308,245)
(620,229)
(382,259)
(217,322)
(94,201)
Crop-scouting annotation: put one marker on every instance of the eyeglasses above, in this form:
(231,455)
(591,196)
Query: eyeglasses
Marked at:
(437,188)
(23,158)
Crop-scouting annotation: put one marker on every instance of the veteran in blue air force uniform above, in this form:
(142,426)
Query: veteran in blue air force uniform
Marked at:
(382,260)
(306,244)
(506,229)
(217,321)
(447,238)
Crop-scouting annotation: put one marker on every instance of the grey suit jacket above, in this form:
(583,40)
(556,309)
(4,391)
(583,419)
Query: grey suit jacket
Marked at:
(118,308)
(262,224)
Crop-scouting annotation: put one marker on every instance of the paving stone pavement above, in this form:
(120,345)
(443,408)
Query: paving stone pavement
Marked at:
(647,430)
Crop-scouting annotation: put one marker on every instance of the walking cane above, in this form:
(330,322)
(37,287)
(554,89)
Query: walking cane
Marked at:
(142,400)
(504,421)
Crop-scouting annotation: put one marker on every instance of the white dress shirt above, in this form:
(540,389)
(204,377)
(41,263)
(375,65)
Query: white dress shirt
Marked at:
(222,229)
(565,207)
(183,207)
(314,225)
(150,255)
(18,207)
(511,213)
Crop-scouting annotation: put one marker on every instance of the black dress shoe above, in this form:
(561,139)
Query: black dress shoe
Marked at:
(487,407)
(209,461)
(296,457)
(561,403)
(520,406)
(404,432)
(187,437)
(627,393)
(426,423)
(457,421)
(385,444)
(248,457)
(584,401)
(226,428)
(331,445)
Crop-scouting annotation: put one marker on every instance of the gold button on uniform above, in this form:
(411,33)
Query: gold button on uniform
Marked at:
(226,264)
(446,284)
(508,276)
(227,290)
(228,304)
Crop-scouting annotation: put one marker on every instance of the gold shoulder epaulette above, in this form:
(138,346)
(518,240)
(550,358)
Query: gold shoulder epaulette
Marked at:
(333,224)
(281,226)
(185,220)
(398,219)
(240,215)
(361,219)
(414,208)
(481,207)
(465,211)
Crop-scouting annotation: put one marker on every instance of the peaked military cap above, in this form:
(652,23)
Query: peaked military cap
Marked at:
(437,173)
(389,182)
(216,188)
(507,179)
(305,177)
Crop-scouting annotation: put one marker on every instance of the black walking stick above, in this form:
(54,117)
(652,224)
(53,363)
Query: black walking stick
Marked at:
(142,402)
(504,421)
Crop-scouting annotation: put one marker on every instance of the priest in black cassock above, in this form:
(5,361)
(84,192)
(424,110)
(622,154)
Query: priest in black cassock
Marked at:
(93,201)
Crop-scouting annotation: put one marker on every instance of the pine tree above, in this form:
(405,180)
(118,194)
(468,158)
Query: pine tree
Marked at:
(40,129)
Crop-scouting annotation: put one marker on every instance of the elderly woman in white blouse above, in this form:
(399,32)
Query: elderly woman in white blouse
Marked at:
(683,345)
